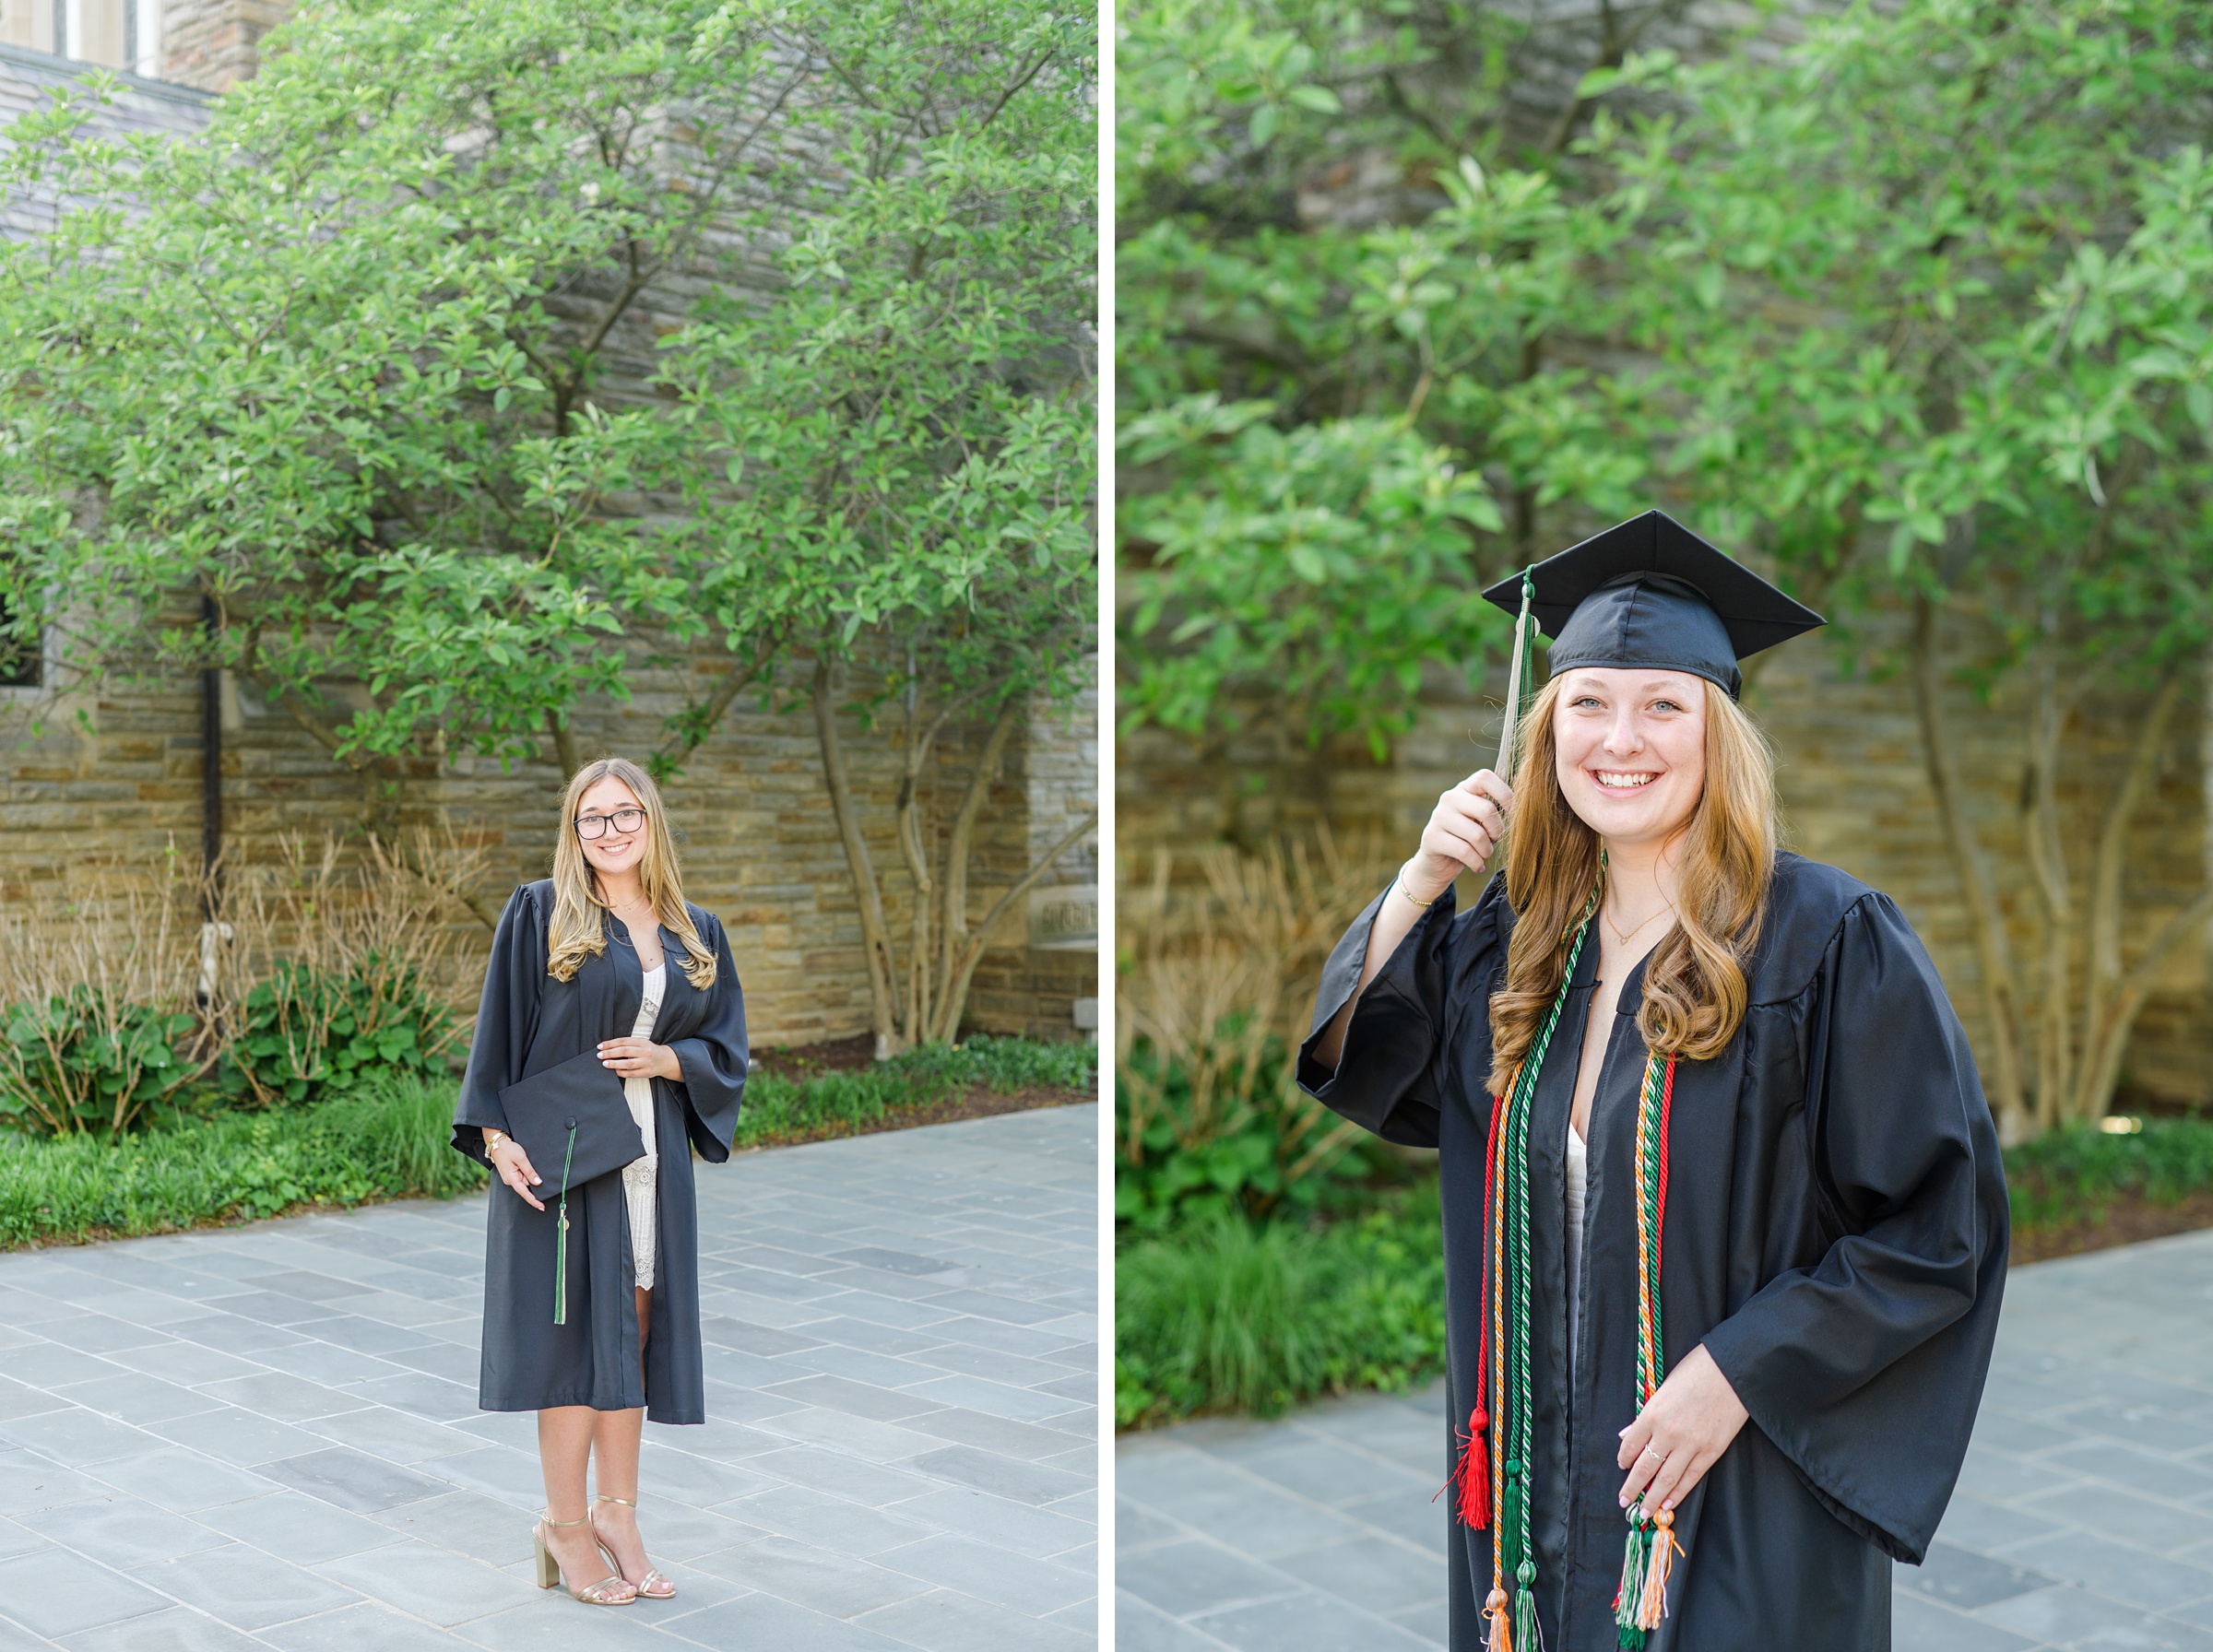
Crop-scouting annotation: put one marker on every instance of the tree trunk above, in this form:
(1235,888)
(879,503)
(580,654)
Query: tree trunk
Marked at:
(956,988)
(2045,844)
(952,929)
(2104,982)
(1973,866)
(911,847)
(565,745)
(2102,1068)
(875,933)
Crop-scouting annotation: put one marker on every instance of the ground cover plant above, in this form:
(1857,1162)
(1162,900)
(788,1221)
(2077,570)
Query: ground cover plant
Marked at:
(390,1137)
(779,1110)
(1226,1315)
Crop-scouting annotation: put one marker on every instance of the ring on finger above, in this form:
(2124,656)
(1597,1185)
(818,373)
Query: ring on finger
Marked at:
(1655,1452)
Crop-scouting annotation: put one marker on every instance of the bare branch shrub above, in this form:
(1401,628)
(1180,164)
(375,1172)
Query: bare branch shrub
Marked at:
(98,1017)
(390,921)
(1214,989)
(115,998)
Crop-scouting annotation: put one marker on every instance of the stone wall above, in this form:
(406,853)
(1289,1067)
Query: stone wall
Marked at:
(120,790)
(216,43)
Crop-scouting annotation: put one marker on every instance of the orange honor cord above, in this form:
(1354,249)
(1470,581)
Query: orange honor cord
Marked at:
(1652,1551)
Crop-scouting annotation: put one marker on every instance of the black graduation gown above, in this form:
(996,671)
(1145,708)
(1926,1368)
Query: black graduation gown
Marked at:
(530,1021)
(1835,1235)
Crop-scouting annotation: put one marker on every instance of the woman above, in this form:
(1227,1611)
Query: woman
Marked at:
(1724,1223)
(655,994)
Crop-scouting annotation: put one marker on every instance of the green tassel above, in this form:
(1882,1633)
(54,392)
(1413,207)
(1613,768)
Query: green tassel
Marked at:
(561,1239)
(1525,1618)
(1633,1561)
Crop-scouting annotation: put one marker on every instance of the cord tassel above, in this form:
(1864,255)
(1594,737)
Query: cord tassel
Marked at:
(1652,1604)
(1471,1482)
(1634,1560)
(561,1255)
(1502,1622)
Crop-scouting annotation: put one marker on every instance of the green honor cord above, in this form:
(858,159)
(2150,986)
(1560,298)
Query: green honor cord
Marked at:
(1516,1557)
(560,1242)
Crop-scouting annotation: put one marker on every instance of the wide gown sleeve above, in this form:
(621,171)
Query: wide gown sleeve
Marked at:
(506,1017)
(714,1060)
(1867,1368)
(1388,1076)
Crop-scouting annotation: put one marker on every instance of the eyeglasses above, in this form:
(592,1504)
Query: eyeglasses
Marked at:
(625,820)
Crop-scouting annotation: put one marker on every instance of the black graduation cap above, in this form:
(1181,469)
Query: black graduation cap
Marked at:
(1649,592)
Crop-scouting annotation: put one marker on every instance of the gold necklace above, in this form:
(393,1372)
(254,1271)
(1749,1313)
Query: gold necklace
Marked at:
(1621,936)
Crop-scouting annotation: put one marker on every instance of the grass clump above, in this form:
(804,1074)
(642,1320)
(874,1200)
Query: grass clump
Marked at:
(842,1103)
(389,1140)
(1224,1315)
(391,1137)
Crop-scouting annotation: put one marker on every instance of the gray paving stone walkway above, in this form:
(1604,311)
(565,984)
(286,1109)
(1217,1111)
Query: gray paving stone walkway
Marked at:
(268,1438)
(2084,1518)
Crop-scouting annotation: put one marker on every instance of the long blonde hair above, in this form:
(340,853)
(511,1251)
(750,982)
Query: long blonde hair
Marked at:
(579,925)
(1694,984)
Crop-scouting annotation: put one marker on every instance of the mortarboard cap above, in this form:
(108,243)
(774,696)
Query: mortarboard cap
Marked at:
(1651,592)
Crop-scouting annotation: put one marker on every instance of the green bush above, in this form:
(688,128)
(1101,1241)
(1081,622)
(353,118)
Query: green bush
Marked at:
(777,1108)
(304,1034)
(390,1140)
(1223,1314)
(1214,1313)
(390,1136)
(1275,1155)
(82,1061)
(2078,1174)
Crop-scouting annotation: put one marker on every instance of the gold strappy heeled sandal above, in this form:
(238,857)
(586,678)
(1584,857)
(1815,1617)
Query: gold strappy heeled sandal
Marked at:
(617,1590)
(654,1586)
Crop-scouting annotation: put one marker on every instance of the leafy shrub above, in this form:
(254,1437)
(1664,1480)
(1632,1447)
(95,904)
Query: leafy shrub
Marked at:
(2078,1174)
(1225,1315)
(1279,1155)
(390,1140)
(303,1034)
(390,1136)
(777,1108)
(87,1061)
(1211,999)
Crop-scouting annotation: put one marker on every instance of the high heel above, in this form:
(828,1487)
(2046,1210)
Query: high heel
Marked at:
(654,1586)
(617,1590)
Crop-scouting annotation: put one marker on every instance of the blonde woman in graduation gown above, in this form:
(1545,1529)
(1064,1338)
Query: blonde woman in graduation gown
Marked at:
(1832,1242)
(575,959)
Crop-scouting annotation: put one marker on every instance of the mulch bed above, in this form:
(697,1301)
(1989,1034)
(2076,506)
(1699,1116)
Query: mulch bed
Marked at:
(2128,1219)
(812,1060)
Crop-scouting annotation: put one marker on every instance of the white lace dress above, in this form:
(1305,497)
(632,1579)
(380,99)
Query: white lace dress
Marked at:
(639,1176)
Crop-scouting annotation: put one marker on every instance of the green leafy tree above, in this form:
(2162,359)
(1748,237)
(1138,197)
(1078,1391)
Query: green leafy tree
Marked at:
(893,497)
(1346,271)
(343,363)
(1929,295)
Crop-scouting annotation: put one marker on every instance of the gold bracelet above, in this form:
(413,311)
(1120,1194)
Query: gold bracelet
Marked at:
(492,1139)
(1401,881)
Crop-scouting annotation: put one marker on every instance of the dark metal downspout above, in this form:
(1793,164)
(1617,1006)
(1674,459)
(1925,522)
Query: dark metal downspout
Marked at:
(211,764)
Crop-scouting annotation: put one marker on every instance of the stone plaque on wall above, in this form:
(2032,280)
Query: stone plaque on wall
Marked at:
(1065,919)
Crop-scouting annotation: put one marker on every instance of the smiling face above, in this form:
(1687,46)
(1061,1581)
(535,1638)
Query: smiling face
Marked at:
(1631,750)
(614,852)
